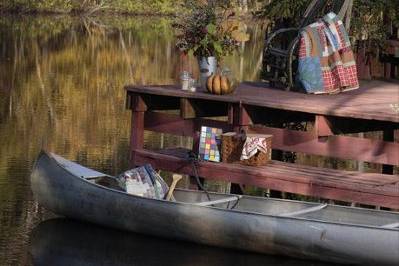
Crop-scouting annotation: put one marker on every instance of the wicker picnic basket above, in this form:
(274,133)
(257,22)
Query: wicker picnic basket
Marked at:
(232,145)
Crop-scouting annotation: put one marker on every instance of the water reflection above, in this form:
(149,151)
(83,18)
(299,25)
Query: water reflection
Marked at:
(61,88)
(68,242)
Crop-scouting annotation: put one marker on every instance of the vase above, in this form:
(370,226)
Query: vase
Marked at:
(207,67)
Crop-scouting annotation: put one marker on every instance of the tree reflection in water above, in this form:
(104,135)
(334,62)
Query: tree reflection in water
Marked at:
(61,88)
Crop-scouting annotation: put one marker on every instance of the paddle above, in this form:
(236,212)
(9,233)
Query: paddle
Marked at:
(176,178)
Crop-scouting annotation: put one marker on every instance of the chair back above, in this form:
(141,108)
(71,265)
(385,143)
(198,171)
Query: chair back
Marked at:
(317,9)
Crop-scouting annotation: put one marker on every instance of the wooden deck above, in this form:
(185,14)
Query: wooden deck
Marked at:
(256,108)
(371,102)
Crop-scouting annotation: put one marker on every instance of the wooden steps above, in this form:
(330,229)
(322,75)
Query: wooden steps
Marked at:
(367,188)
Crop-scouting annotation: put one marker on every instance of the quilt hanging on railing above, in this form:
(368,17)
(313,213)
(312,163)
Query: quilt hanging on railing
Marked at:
(326,61)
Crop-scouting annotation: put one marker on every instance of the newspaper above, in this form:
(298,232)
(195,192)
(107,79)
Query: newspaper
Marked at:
(143,181)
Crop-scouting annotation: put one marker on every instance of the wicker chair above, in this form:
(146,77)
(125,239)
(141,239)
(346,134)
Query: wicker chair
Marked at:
(279,60)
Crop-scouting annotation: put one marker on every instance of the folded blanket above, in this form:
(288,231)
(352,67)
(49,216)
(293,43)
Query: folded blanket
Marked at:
(252,145)
(326,61)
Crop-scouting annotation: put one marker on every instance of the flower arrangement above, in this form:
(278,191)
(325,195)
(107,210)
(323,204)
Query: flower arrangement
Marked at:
(209,29)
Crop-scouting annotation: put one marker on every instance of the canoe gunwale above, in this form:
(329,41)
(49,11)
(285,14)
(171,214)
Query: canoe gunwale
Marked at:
(193,205)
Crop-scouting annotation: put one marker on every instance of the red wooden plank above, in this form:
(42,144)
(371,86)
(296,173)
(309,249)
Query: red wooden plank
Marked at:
(174,124)
(323,127)
(343,147)
(371,102)
(294,173)
(271,177)
(176,91)
(374,179)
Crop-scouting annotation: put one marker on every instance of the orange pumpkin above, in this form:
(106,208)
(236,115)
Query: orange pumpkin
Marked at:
(219,84)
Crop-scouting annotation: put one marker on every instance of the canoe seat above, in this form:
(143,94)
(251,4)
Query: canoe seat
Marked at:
(391,226)
(219,201)
(304,211)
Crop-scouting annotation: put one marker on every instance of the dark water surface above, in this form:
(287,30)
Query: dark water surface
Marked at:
(61,88)
(66,242)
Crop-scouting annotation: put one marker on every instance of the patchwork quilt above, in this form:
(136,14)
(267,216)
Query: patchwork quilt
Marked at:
(326,61)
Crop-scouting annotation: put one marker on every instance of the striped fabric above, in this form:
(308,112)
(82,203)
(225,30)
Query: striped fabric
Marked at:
(326,61)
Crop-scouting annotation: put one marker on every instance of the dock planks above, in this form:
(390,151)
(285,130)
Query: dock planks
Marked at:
(372,101)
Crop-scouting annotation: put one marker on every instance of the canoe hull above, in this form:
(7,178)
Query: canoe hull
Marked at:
(63,193)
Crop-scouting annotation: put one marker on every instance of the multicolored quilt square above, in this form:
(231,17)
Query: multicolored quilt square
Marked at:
(209,147)
(326,61)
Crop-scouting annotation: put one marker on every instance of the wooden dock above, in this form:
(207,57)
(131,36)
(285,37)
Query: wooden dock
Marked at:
(256,108)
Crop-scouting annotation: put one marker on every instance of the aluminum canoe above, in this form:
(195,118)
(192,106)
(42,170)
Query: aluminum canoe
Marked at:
(264,225)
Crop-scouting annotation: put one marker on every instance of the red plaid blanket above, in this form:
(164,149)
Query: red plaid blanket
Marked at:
(326,61)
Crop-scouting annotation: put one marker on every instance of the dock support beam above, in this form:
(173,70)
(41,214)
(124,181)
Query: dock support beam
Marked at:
(240,120)
(139,108)
(388,135)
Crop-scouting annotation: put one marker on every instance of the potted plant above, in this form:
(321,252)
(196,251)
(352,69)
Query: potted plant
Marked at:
(209,30)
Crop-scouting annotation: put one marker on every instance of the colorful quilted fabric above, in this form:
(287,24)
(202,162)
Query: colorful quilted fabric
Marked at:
(326,61)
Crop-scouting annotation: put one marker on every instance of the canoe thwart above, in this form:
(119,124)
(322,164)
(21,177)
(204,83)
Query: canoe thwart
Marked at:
(391,226)
(224,200)
(303,211)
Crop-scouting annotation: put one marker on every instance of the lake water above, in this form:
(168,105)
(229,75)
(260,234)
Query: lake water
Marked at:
(61,88)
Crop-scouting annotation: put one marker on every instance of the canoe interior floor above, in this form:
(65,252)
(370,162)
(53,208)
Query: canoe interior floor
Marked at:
(313,211)
(276,207)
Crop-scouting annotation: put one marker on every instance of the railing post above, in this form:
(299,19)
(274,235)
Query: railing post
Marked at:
(388,135)
(323,127)
(240,119)
(138,108)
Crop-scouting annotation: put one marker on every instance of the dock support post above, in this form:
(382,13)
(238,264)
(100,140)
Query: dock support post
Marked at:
(238,116)
(388,135)
(139,108)
(240,119)
(323,127)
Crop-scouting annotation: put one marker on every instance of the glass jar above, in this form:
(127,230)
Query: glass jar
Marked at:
(229,75)
(185,80)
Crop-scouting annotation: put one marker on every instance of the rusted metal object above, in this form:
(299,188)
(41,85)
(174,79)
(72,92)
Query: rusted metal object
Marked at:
(264,225)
